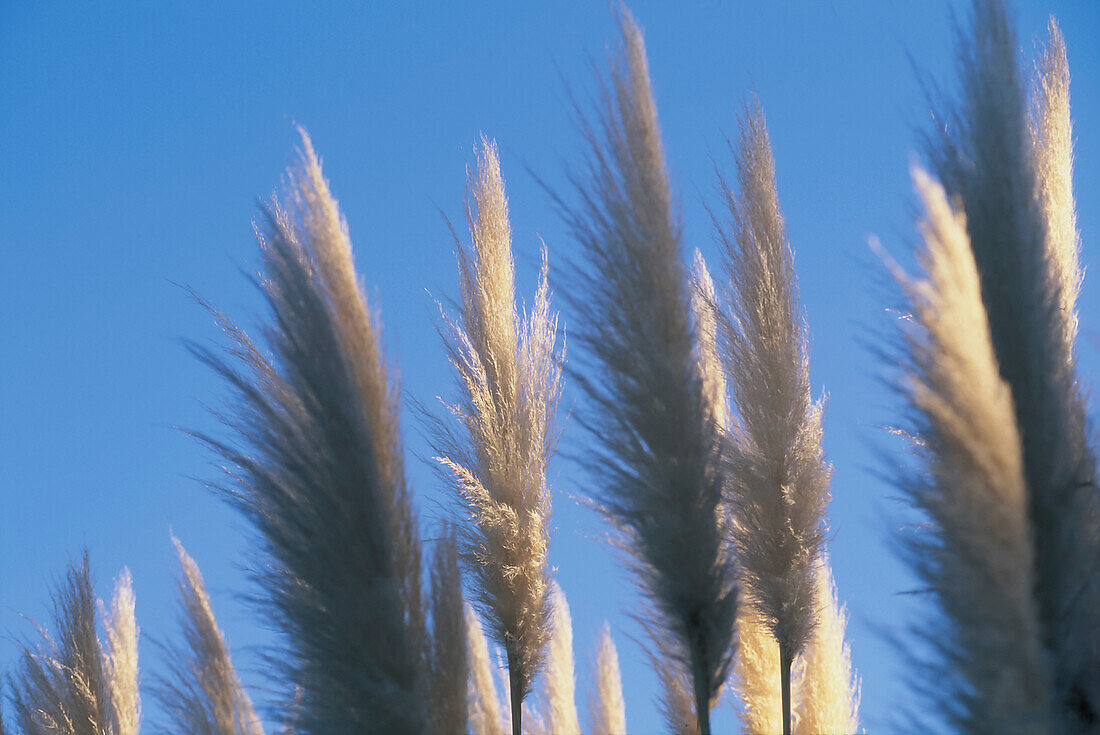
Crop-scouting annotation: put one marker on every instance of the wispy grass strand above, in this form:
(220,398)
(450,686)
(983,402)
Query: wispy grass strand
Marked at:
(657,465)
(780,497)
(509,371)
(315,462)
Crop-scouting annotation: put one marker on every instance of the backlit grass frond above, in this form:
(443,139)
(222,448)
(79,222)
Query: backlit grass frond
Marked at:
(782,492)
(315,462)
(606,708)
(779,498)
(484,705)
(204,695)
(508,369)
(560,675)
(756,686)
(704,301)
(656,463)
(1013,187)
(975,554)
(1051,135)
(62,685)
(121,657)
(827,693)
(448,669)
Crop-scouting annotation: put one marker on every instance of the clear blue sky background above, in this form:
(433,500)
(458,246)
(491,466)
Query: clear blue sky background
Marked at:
(137,138)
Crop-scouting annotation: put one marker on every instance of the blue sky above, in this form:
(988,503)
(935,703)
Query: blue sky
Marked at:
(137,139)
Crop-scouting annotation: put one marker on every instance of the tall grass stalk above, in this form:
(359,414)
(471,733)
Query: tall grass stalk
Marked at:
(70,684)
(758,691)
(657,464)
(560,674)
(121,656)
(204,695)
(1014,188)
(315,463)
(449,667)
(607,710)
(782,490)
(484,706)
(1050,129)
(508,371)
(827,691)
(976,556)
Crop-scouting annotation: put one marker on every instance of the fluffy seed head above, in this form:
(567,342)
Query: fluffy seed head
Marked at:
(121,657)
(315,462)
(508,371)
(606,707)
(656,462)
(1019,216)
(828,690)
(448,670)
(560,675)
(62,686)
(204,695)
(779,500)
(975,555)
(755,675)
(484,706)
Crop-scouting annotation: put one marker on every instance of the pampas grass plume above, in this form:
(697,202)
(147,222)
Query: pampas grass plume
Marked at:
(508,372)
(704,302)
(657,460)
(978,560)
(607,710)
(757,688)
(121,657)
(560,674)
(782,491)
(827,691)
(1051,134)
(205,695)
(62,685)
(1014,189)
(448,672)
(316,464)
(484,706)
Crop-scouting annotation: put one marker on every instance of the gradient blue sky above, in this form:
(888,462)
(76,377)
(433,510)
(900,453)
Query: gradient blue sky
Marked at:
(137,138)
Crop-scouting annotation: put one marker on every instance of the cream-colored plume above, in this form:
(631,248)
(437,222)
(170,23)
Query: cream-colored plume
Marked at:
(206,696)
(606,707)
(560,674)
(827,693)
(121,656)
(484,706)
(977,558)
(703,305)
(1051,131)
(755,676)
(509,372)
